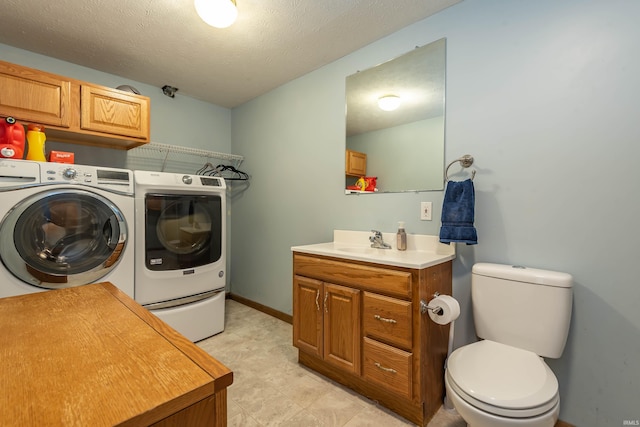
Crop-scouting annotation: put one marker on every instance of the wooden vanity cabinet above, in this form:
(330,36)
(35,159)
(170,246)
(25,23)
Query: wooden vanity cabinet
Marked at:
(114,112)
(355,163)
(360,324)
(72,110)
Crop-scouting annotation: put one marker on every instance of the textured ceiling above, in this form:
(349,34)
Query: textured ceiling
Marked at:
(164,41)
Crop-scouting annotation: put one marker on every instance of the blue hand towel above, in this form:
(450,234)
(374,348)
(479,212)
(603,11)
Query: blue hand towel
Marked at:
(458,213)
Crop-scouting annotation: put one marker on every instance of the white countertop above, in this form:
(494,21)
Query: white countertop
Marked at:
(422,250)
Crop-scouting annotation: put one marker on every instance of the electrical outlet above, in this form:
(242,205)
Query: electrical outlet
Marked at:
(425,211)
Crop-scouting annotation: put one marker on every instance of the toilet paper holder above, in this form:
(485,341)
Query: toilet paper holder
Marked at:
(436,309)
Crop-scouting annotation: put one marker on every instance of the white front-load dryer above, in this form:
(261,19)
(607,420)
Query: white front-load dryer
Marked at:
(181,250)
(64,225)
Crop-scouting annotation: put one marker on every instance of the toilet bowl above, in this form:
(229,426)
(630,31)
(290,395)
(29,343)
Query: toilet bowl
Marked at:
(521,315)
(496,385)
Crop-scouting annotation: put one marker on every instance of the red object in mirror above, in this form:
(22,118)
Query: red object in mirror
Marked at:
(370,183)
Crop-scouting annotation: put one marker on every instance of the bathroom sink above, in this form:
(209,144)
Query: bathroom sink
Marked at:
(361,250)
(422,250)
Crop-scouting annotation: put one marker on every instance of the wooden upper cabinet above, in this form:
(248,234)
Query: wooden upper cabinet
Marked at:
(74,111)
(32,96)
(113,111)
(355,163)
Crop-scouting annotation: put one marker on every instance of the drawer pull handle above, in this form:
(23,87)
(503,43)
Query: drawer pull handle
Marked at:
(317,296)
(384,319)
(379,366)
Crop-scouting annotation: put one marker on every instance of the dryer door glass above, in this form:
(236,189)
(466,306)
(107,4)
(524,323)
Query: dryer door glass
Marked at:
(182,231)
(63,238)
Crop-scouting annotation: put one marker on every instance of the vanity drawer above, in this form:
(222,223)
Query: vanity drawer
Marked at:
(387,366)
(383,280)
(387,319)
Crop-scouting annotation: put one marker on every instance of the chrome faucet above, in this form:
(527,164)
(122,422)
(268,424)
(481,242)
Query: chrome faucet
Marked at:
(377,241)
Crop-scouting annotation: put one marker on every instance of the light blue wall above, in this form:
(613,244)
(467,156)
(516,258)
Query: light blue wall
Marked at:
(417,147)
(545,95)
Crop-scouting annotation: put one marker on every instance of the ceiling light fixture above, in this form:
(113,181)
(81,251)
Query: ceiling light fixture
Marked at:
(389,102)
(217,13)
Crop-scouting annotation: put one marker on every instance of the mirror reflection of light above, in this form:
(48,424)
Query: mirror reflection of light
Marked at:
(389,102)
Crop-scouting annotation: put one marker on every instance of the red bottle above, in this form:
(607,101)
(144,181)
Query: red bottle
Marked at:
(11,139)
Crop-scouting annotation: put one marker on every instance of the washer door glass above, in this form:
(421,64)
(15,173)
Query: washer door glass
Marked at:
(62,238)
(182,231)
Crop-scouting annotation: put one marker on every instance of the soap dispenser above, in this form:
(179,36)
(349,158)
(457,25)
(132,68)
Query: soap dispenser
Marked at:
(401,242)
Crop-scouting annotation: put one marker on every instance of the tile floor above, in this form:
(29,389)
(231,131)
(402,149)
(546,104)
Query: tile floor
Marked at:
(270,388)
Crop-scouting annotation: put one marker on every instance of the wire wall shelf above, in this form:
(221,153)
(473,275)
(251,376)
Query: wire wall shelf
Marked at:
(172,158)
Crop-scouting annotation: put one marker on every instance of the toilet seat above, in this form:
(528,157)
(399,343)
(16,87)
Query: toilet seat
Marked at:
(502,380)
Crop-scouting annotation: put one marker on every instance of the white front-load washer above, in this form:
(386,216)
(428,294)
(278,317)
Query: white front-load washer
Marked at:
(64,225)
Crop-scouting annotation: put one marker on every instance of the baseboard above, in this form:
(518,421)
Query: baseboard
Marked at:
(561,423)
(263,308)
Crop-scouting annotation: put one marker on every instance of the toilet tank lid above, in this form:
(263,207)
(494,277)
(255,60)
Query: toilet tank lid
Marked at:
(524,274)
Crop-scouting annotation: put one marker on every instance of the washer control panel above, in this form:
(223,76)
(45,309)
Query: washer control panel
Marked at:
(113,179)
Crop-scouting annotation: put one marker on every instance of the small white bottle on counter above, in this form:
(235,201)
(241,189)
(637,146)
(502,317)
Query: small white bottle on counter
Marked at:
(401,236)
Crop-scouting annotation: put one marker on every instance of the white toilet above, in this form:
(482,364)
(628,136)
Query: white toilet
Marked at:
(521,314)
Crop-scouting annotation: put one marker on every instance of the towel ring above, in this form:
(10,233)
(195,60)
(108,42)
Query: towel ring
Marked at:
(465,162)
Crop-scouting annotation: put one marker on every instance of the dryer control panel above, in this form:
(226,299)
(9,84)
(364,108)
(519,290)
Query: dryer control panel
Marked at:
(176,181)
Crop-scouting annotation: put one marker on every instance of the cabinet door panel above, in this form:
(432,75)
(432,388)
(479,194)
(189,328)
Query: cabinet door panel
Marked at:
(356,163)
(307,315)
(111,111)
(34,97)
(342,327)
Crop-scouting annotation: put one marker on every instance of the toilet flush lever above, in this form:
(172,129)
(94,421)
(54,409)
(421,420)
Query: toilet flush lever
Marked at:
(424,306)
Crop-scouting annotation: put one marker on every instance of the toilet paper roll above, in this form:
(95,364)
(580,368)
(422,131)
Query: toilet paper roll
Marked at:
(449,309)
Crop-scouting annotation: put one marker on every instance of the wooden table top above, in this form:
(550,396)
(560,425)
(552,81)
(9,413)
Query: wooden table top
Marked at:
(91,356)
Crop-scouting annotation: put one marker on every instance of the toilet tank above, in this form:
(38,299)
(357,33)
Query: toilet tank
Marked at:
(522,307)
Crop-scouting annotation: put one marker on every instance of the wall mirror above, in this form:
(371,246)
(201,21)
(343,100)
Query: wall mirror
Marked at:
(404,147)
